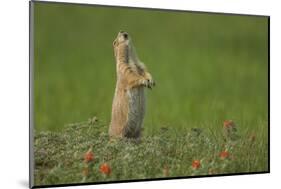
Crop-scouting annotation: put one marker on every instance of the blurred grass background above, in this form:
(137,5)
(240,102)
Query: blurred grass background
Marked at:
(208,67)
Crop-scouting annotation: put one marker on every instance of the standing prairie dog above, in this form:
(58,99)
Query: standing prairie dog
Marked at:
(128,107)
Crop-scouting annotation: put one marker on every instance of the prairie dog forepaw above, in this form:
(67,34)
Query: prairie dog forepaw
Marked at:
(149,83)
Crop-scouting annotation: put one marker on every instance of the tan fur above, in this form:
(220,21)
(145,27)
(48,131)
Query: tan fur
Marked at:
(128,107)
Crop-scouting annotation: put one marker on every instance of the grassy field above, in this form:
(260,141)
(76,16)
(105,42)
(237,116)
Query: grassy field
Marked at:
(64,157)
(208,68)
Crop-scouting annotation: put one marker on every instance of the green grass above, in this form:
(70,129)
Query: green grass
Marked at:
(208,68)
(59,156)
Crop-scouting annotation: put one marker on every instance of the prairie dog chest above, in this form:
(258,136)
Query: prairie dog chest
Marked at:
(136,101)
(136,105)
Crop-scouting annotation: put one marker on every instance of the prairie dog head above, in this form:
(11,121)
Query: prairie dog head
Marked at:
(121,39)
(124,48)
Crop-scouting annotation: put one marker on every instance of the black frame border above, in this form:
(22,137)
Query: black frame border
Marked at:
(31,63)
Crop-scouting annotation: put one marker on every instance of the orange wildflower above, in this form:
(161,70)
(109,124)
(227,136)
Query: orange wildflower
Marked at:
(196,164)
(105,169)
(89,156)
(228,124)
(224,154)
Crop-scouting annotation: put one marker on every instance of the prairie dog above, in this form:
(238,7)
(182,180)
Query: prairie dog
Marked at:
(128,107)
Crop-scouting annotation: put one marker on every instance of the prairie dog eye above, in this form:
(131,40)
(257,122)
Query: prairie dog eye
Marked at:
(125,35)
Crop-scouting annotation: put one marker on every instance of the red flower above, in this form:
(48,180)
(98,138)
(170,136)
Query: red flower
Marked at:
(105,169)
(228,124)
(224,154)
(89,156)
(196,164)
